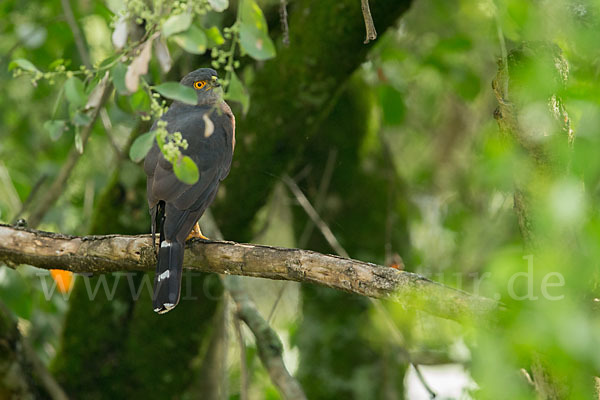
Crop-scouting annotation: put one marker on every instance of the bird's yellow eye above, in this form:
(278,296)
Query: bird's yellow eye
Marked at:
(199,84)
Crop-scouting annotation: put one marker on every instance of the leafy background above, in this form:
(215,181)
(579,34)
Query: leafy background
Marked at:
(405,160)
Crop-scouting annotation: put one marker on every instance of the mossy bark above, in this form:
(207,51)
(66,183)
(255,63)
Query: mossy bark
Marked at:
(291,95)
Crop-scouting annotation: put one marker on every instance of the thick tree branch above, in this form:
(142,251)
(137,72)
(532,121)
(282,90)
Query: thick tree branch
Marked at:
(112,253)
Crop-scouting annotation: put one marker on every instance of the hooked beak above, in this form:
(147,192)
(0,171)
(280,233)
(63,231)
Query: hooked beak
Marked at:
(215,82)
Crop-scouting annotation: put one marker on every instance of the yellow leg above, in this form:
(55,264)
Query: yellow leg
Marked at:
(196,233)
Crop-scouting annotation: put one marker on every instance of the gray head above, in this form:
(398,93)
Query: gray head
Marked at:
(206,83)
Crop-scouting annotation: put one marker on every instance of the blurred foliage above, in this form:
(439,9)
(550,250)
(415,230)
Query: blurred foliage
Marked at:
(418,168)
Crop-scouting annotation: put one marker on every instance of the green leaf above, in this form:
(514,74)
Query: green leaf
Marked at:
(55,128)
(81,119)
(219,5)
(256,43)
(214,36)
(252,15)
(186,170)
(118,77)
(193,40)
(176,91)
(141,146)
(237,92)
(175,24)
(75,92)
(56,63)
(140,101)
(254,35)
(23,64)
(392,104)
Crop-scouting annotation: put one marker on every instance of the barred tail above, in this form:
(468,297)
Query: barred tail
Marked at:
(167,281)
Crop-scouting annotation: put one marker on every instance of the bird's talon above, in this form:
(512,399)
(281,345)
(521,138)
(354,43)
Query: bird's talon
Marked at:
(196,233)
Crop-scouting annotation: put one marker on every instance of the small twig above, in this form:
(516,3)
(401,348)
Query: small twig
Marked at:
(243,366)
(432,394)
(312,213)
(274,307)
(369,25)
(79,40)
(283,16)
(321,196)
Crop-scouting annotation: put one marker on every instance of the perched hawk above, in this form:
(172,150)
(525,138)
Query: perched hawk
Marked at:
(175,207)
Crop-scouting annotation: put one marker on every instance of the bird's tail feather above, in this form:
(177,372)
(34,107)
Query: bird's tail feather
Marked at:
(167,281)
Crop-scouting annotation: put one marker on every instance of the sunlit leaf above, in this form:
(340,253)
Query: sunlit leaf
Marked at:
(237,92)
(141,146)
(186,170)
(75,92)
(175,24)
(251,14)
(256,43)
(176,91)
(254,36)
(56,63)
(193,40)
(214,36)
(23,64)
